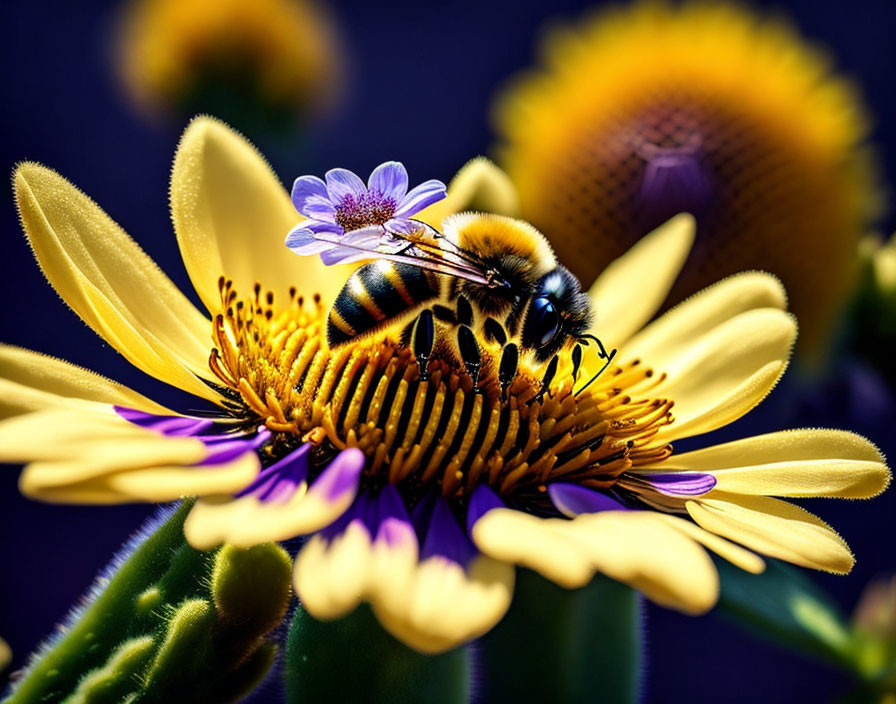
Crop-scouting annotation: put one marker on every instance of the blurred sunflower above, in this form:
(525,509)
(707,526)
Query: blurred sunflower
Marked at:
(263,64)
(420,492)
(645,111)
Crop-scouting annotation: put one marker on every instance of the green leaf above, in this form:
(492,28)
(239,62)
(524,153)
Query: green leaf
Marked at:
(786,607)
(560,645)
(354,659)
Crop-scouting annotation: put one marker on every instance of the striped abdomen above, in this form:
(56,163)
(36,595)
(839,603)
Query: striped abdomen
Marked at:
(376,294)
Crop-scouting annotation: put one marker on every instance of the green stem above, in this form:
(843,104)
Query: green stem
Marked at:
(558,645)
(354,659)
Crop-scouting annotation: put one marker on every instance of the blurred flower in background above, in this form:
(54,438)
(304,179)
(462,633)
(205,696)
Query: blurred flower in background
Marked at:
(642,112)
(874,634)
(264,65)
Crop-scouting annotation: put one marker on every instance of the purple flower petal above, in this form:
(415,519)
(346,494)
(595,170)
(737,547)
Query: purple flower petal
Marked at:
(280,481)
(445,538)
(572,499)
(311,198)
(423,195)
(389,179)
(482,501)
(341,183)
(228,450)
(166,425)
(341,475)
(404,226)
(302,239)
(343,255)
(680,483)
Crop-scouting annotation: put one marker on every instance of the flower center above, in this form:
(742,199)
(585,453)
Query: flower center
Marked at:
(371,208)
(438,432)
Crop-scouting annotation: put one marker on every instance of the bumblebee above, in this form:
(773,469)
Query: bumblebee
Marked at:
(486,273)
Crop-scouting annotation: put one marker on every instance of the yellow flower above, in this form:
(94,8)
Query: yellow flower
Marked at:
(645,111)
(420,495)
(268,60)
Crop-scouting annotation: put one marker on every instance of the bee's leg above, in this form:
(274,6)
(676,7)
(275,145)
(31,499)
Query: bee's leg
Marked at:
(546,380)
(470,354)
(576,362)
(464,311)
(422,339)
(510,359)
(494,331)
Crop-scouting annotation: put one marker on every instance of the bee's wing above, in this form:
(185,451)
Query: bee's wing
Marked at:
(418,247)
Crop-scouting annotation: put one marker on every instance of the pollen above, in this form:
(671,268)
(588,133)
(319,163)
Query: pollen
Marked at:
(438,431)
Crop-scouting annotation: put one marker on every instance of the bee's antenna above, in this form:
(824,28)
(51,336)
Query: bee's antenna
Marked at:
(601,353)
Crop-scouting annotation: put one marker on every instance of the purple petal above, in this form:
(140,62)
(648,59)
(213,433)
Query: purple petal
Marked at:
(423,195)
(341,475)
(343,255)
(280,481)
(445,538)
(404,226)
(166,425)
(389,179)
(302,238)
(680,483)
(353,514)
(482,501)
(341,183)
(572,499)
(391,523)
(311,198)
(222,449)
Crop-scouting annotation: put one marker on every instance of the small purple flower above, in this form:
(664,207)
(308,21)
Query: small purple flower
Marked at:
(343,204)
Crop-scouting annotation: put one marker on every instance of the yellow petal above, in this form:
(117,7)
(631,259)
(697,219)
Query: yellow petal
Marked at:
(331,577)
(667,566)
(541,544)
(110,282)
(775,528)
(674,331)
(479,185)
(232,215)
(246,521)
(796,463)
(439,605)
(53,481)
(431,606)
(30,381)
(726,372)
(98,435)
(631,289)
(735,554)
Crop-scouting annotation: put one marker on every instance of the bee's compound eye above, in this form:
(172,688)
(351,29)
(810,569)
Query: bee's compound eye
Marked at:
(544,321)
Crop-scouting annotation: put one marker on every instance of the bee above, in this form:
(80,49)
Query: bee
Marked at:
(488,273)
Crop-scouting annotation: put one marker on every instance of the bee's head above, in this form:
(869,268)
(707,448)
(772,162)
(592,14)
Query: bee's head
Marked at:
(558,311)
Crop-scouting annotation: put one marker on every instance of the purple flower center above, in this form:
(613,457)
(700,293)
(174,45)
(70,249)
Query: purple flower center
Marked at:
(371,208)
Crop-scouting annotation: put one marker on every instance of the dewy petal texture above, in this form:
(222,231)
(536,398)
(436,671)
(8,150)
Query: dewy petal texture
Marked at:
(31,382)
(110,282)
(631,289)
(799,463)
(231,214)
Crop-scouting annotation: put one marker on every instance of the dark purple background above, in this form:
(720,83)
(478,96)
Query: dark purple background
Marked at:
(420,81)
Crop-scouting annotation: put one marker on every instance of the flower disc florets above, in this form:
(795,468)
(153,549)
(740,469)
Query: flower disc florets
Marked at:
(437,432)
